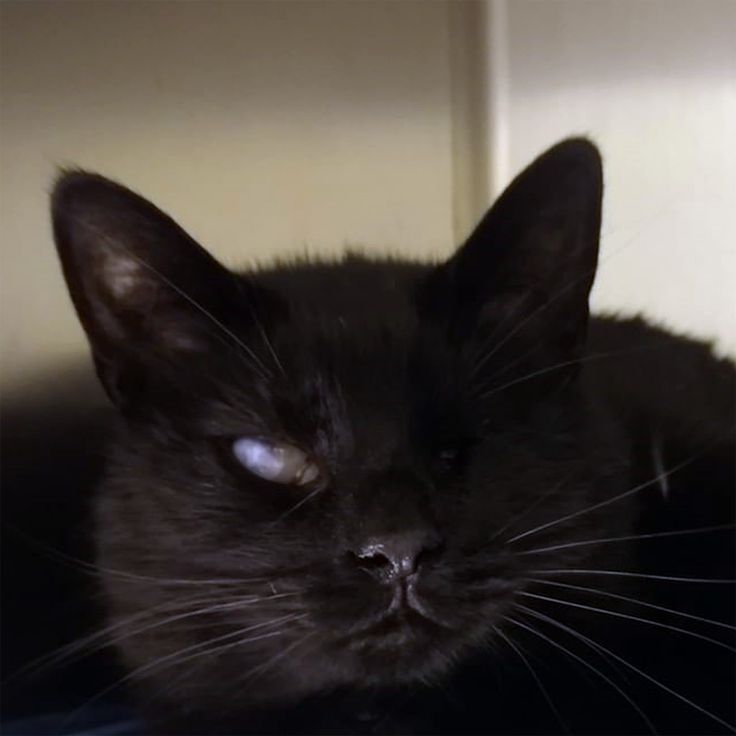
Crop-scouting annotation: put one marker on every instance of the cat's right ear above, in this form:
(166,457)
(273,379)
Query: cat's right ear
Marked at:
(141,286)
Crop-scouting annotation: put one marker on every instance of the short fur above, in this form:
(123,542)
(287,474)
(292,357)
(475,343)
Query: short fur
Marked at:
(470,402)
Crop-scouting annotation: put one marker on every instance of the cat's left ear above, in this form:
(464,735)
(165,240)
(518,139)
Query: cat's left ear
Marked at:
(529,265)
(146,293)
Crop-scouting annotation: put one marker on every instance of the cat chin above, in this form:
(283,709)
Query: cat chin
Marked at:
(388,668)
(391,654)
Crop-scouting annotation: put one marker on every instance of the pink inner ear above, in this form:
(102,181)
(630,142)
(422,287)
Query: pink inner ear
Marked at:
(123,278)
(134,291)
(181,341)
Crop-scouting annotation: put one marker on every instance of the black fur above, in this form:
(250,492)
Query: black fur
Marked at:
(468,403)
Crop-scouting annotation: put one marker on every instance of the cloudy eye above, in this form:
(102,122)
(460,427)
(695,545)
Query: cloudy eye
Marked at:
(275,461)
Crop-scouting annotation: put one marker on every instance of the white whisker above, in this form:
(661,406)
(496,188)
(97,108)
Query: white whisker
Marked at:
(644,576)
(100,640)
(608,594)
(628,617)
(540,499)
(59,655)
(607,502)
(95,570)
(176,658)
(280,655)
(299,504)
(543,307)
(265,337)
(633,537)
(227,606)
(534,675)
(547,369)
(257,363)
(587,665)
(632,667)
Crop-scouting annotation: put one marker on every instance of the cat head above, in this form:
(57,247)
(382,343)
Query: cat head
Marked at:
(324,471)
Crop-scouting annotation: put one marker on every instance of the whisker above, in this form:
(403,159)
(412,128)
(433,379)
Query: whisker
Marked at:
(176,657)
(633,537)
(299,504)
(248,640)
(556,488)
(534,675)
(634,600)
(628,617)
(607,502)
(59,655)
(97,641)
(228,605)
(643,576)
(632,667)
(264,335)
(587,665)
(532,315)
(557,366)
(550,369)
(98,570)
(262,668)
(550,302)
(257,363)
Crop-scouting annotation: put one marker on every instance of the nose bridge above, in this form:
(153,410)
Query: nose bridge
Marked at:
(394,504)
(395,525)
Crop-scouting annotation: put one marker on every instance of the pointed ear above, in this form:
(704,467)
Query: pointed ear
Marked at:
(529,265)
(141,286)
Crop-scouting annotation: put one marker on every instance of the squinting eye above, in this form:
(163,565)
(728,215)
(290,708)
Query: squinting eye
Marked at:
(276,462)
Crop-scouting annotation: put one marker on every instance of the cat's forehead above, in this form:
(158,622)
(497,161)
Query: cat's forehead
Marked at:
(351,323)
(347,290)
(362,359)
(334,358)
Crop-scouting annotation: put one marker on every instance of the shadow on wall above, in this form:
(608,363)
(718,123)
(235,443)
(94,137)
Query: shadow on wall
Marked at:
(52,445)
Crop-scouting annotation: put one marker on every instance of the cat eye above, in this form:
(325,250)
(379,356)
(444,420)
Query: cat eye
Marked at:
(275,461)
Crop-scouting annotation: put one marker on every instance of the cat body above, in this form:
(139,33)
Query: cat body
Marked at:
(625,427)
(376,496)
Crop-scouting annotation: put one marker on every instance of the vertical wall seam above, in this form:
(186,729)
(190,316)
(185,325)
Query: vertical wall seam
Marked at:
(467,28)
(497,72)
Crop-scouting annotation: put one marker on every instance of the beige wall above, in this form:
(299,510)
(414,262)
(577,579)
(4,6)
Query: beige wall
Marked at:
(654,83)
(264,127)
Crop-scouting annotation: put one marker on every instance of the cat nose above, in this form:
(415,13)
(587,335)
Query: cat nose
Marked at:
(397,556)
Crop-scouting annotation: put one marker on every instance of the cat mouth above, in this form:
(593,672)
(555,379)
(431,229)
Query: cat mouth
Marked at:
(408,623)
(403,636)
(401,645)
(407,619)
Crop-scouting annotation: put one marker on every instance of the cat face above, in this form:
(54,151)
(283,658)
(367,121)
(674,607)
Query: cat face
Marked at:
(323,472)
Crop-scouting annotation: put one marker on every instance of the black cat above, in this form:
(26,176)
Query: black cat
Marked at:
(372,496)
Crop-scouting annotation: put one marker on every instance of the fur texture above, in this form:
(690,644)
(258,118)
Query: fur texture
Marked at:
(470,405)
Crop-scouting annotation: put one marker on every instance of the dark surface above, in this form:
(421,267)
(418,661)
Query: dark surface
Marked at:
(52,443)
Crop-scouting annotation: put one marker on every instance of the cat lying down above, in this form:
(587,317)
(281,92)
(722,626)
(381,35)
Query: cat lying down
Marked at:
(381,496)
